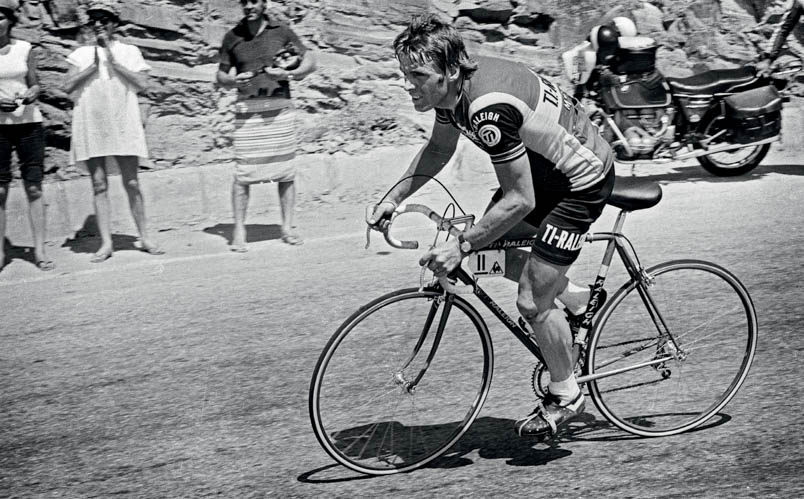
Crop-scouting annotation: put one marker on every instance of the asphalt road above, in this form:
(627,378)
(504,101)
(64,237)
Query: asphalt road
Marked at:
(186,375)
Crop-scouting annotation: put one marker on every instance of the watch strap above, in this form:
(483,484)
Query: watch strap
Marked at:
(464,245)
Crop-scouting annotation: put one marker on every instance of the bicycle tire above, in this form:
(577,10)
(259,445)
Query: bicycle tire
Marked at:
(385,429)
(710,315)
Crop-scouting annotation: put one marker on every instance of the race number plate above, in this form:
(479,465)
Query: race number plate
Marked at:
(489,263)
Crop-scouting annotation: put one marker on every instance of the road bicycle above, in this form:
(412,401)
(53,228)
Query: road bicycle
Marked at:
(404,377)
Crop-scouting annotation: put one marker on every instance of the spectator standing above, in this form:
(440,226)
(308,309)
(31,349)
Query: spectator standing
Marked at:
(104,79)
(791,19)
(264,138)
(21,129)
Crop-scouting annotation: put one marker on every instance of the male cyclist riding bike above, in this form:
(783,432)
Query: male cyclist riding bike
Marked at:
(555,174)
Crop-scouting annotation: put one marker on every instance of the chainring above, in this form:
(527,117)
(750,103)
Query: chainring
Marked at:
(540,377)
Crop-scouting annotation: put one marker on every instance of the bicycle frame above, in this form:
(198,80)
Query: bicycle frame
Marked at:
(616,241)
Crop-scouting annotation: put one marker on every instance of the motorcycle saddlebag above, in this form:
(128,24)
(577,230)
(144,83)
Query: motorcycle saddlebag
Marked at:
(754,114)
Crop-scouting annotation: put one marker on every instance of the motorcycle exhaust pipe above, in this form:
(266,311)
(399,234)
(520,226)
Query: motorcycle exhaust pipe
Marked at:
(722,148)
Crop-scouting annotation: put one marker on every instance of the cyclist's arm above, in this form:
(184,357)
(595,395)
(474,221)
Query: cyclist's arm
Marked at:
(518,199)
(791,19)
(429,161)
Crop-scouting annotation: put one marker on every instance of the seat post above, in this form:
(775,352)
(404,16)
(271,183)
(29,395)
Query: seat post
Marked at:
(616,231)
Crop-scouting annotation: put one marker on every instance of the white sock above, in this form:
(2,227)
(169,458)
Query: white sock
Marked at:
(565,390)
(575,298)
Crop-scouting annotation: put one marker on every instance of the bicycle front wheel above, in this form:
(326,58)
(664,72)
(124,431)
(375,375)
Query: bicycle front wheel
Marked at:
(682,346)
(400,381)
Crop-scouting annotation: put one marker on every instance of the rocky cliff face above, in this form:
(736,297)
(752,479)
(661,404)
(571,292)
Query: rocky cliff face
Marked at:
(356,100)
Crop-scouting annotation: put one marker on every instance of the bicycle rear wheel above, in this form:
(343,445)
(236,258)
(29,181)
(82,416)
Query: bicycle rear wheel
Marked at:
(694,330)
(389,393)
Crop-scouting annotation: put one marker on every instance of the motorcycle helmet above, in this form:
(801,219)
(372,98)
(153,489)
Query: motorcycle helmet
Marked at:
(605,42)
(625,26)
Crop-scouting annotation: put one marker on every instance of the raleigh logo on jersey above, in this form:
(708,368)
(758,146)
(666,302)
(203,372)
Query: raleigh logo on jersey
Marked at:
(490,135)
(563,239)
(487,131)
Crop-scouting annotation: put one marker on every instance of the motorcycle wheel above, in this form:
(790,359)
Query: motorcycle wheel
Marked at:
(729,163)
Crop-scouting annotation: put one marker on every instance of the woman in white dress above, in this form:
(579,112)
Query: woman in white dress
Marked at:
(104,80)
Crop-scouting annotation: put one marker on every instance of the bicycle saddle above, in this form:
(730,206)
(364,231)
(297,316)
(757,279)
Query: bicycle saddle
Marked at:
(631,194)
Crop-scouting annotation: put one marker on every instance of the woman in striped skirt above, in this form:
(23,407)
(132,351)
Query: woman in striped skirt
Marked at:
(265,55)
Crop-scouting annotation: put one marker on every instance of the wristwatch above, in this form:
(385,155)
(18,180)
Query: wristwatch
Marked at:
(465,246)
(290,75)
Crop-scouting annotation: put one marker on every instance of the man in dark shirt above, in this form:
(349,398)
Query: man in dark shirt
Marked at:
(264,137)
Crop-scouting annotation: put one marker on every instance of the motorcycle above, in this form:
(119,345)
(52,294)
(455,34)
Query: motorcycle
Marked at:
(724,118)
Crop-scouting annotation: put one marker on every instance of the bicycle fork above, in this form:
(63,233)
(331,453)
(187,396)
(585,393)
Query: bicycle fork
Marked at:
(400,378)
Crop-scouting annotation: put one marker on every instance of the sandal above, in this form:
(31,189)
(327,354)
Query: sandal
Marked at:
(149,248)
(292,239)
(101,257)
(239,248)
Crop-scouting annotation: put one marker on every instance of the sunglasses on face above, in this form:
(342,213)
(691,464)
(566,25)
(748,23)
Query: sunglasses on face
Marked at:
(100,19)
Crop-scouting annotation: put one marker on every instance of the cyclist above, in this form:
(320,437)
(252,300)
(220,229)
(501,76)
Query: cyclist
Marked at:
(555,174)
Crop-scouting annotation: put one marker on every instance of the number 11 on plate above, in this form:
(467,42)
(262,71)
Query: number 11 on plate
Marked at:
(489,263)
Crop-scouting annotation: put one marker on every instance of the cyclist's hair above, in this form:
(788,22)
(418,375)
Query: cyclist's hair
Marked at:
(428,36)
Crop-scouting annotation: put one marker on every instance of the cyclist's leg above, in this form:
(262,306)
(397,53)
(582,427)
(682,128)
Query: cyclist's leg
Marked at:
(539,285)
(563,220)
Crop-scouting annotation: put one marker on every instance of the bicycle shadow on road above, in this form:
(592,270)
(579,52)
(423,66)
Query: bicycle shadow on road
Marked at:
(254,232)
(695,173)
(587,428)
(494,438)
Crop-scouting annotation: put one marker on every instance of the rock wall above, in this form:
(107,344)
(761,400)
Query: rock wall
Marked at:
(356,101)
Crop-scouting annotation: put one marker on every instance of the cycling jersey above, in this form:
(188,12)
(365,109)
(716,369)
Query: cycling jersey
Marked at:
(510,111)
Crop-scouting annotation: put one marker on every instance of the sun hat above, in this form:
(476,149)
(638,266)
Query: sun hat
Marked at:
(110,6)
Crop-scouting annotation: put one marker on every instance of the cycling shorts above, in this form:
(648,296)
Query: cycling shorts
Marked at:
(564,218)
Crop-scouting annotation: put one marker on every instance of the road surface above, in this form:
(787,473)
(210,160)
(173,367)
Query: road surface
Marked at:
(186,375)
